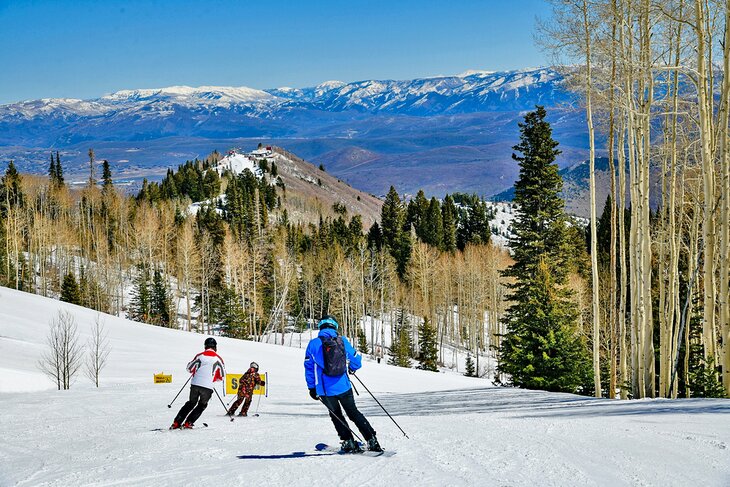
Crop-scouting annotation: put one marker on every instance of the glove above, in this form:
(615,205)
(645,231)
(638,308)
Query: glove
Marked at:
(350,371)
(313,394)
(263,383)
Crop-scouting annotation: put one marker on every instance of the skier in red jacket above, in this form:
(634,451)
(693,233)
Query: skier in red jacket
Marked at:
(207,368)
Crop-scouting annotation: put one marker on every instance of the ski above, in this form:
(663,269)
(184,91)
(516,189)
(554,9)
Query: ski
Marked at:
(204,425)
(323,447)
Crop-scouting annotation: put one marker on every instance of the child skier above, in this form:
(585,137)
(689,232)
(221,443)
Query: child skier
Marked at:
(207,368)
(325,370)
(248,381)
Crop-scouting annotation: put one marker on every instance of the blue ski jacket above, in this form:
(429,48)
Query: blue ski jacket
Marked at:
(327,385)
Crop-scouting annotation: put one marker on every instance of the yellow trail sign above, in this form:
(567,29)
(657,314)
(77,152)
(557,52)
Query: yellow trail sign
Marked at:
(162,378)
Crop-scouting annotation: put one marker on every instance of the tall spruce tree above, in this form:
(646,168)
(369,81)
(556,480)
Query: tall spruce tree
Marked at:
(160,303)
(400,348)
(428,356)
(141,303)
(107,176)
(59,171)
(541,348)
(391,220)
(52,171)
(448,218)
(432,228)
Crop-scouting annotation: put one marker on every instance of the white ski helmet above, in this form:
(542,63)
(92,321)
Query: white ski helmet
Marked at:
(254,365)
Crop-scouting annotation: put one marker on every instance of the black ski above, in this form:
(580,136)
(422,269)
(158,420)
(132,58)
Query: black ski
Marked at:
(366,453)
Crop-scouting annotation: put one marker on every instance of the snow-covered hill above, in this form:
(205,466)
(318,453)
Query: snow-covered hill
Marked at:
(462,431)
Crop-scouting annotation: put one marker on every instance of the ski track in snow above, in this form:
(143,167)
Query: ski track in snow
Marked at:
(463,432)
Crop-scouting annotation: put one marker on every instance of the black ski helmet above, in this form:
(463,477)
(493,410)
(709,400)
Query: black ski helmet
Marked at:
(211,343)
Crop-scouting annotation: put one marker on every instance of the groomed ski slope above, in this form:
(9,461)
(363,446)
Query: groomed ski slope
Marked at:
(463,432)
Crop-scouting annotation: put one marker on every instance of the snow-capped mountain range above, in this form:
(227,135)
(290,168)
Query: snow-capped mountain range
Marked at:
(472,91)
(371,133)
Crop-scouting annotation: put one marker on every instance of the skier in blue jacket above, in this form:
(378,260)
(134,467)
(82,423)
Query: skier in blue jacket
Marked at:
(330,352)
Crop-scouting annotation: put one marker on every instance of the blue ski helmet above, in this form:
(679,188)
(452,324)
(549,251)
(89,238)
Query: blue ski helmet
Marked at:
(328,321)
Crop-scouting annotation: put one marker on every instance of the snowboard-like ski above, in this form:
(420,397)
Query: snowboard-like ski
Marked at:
(366,453)
(204,425)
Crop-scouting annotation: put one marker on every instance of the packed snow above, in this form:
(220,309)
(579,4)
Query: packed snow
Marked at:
(462,431)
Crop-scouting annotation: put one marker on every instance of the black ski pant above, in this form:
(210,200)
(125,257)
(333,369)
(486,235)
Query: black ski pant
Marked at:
(347,401)
(191,410)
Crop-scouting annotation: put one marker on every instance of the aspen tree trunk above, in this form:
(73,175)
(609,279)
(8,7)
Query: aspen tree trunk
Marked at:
(628,61)
(724,257)
(594,237)
(613,316)
(704,101)
(672,299)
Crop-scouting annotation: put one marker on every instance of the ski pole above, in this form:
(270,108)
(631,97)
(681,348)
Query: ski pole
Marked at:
(222,403)
(352,384)
(178,392)
(341,420)
(381,406)
(258,401)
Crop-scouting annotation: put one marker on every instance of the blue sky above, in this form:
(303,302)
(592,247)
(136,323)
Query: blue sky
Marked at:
(84,49)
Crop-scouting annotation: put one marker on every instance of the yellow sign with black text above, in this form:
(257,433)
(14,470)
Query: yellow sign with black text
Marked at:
(162,378)
(232,381)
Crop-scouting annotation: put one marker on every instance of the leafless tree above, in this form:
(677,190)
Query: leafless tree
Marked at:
(63,358)
(98,351)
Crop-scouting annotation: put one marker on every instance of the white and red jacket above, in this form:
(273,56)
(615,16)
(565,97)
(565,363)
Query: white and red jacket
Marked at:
(207,368)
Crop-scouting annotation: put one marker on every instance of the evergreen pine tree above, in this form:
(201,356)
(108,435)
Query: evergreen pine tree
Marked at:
(52,172)
(11,193)
(416,213)
(70,292)
(375,237)
(141,303)
(448,218)
(541,348)
(107,176)
(432,230)
(59,171)
(428,357)
(470,372)
(362,342)
(160,304)
(391,220)
(227,310)
(400,348)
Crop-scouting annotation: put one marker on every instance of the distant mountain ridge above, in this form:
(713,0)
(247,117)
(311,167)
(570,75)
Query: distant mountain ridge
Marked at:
(442,134)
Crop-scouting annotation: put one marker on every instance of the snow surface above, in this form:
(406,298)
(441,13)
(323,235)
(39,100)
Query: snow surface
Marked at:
(462,431)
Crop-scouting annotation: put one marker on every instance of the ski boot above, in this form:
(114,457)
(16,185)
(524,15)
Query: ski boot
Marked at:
(350,446)
(373,445)
(188,425)
(175,425)
(242,414)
